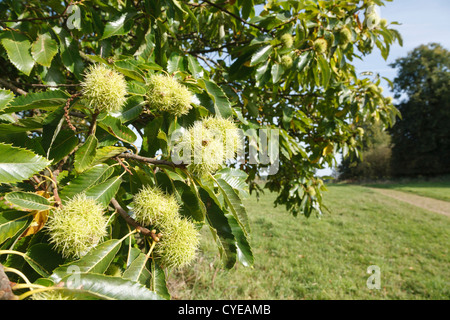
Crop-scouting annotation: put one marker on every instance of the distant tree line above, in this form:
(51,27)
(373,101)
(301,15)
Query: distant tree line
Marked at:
(419,143)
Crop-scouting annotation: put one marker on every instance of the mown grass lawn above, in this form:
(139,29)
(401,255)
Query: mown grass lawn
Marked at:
(327,258)
(437,189)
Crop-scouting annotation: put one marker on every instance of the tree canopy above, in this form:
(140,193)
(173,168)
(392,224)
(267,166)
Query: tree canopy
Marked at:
(87,124)
(421,139)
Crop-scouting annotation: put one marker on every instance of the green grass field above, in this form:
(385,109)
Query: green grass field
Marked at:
(327,258)
(437,189)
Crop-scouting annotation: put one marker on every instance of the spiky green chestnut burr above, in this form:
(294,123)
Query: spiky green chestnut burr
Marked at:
(165,93)
(151,205)
(179,243)
(320,45)
(389,100)
(286,61)
(206,149)
(77,227)
(373,88)
(345,36)
(230,133)
(287,40)
(104,89)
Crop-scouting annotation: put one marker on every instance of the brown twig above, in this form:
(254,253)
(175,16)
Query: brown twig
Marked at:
(151,160)
(93,123)
(40,85)
(123,165)
(12,87)
(144,231)
(56,16)
(58,201)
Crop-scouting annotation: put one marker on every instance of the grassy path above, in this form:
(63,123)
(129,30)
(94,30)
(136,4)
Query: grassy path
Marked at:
(430,204)
(438,188)
(328,258)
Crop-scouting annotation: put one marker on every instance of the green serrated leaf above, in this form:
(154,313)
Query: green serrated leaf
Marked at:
(132,109)
(119,26)
(244,250)
(28,200)
(70,52)
(276,71)
(106,153)
(191,207)
(96,261)
(194,67)
(108,288)
(17,164)
(175,63)
(43,258)
(261,55)
(220,229)
(44,49)
(159,281)
(302,61)
(117,129)
(11,222)
(138,271)
(236,178)
(325,71)
(11,128)
(86,180)
(64,143)
(6,97)
(39,100)
(222,105)
(85,155)
(235,204)
(105,191)
(18,47)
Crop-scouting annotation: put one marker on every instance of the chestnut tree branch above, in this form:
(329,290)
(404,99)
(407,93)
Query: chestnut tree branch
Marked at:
(12,87)
(150,160)
(234,16)
(132,222)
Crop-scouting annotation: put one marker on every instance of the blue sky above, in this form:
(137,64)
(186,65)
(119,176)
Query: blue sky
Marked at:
(422,22)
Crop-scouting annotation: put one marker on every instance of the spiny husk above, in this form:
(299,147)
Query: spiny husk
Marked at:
(165,93)
(287,40)
(104,89)
(179,243)
(205,147)
(151,205)
(232,138)
(320,45)
(77,227)
(286,61)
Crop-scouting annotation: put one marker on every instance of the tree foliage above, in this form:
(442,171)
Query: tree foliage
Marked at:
(422,138)
(284,65)
(375,160)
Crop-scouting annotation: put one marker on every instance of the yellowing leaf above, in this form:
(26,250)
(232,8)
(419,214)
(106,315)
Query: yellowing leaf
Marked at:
(328,149)
(39,218)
